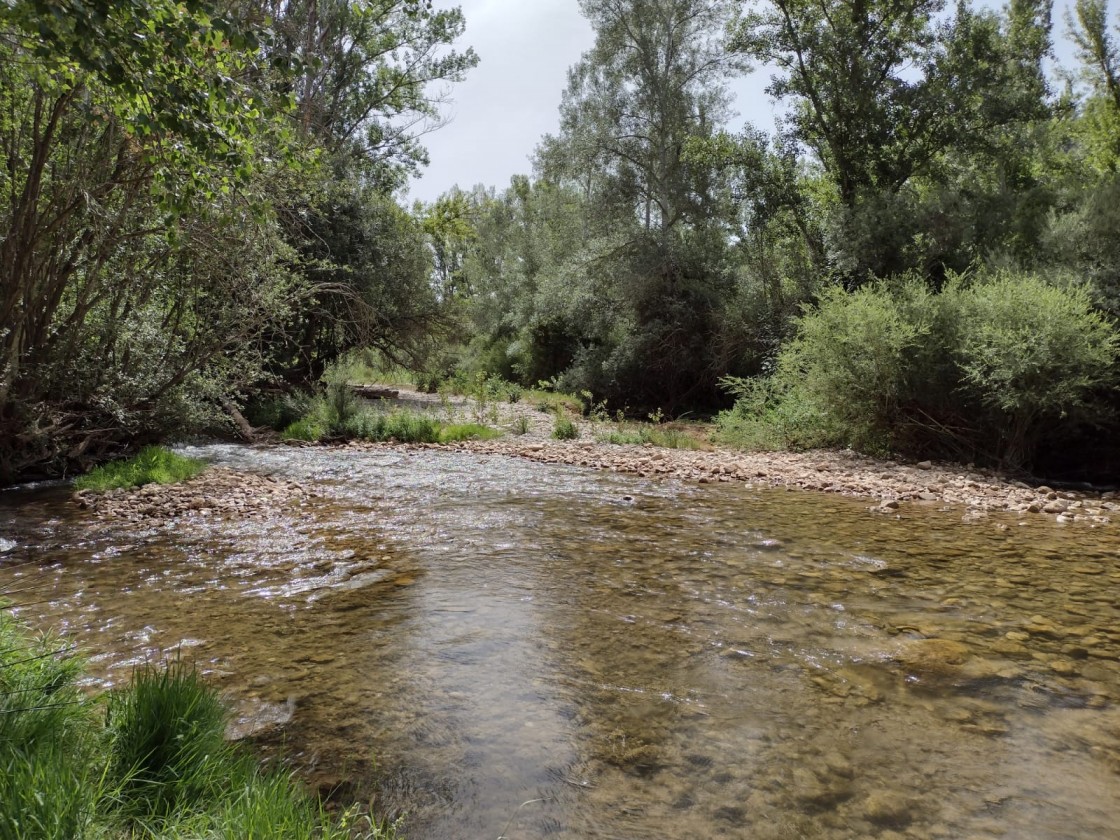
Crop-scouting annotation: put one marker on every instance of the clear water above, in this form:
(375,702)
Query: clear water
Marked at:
(493,647)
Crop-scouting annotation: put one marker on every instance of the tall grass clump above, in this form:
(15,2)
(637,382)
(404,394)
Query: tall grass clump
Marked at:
(153,464)
(155,765)
(167,736)
(564,428)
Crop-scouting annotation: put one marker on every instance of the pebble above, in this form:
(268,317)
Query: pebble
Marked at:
(888,808)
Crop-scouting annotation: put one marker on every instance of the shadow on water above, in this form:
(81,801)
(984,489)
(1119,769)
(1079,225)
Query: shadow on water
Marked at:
(454,636)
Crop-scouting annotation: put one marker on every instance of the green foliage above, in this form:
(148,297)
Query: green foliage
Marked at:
(153,464)
(277,411)
(173,74)
(307,429)
(978,371)
(880,88)
(1031,354)
(46,739)
(399,426)
(564,428)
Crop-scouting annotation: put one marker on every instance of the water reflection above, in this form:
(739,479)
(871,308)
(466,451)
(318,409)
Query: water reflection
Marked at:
(456,636)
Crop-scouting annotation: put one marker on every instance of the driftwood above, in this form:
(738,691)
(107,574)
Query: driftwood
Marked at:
(247,431)
(375,392)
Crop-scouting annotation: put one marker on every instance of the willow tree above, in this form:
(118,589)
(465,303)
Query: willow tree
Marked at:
(367,78)
(138,260)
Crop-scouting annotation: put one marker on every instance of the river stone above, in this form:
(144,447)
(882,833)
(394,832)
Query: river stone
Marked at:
(888,808)
(810,790)
(1063,667)
(933,654)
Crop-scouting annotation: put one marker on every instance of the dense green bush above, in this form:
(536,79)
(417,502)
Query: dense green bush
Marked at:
(1032,355)
(978,371)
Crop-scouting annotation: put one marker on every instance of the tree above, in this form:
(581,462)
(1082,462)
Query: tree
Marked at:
(879,88)
(654,222)
(368,77)
(126,244)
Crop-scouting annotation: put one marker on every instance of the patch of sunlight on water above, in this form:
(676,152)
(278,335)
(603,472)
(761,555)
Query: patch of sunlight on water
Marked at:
(454,636)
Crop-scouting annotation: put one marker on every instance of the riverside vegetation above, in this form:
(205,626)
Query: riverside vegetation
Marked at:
(881,271)
(150,760)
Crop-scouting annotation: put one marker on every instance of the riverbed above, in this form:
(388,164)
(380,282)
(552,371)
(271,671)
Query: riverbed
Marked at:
(491,647)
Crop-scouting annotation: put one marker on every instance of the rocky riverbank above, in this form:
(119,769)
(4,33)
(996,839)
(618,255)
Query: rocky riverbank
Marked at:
(889,485)
(217,491)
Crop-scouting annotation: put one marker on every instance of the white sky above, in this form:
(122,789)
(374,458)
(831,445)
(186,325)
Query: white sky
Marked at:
(512,98)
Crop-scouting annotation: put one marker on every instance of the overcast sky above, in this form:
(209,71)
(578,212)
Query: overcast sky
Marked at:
(512,99)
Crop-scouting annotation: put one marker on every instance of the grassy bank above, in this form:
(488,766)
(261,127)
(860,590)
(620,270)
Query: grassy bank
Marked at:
(149,761)
(337,414)
(152,465)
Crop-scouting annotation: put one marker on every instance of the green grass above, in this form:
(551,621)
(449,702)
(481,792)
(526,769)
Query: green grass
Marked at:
(153,464)
(307,428)
(151,762)
(548,402)
(379,426)
(665,438)
(168,750)
(46,739)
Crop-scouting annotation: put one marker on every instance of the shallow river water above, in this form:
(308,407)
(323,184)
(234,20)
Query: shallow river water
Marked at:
(494,647)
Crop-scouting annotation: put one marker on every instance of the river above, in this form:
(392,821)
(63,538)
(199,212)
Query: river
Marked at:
(493,647)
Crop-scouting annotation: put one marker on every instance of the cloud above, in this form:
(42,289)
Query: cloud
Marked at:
(511,99)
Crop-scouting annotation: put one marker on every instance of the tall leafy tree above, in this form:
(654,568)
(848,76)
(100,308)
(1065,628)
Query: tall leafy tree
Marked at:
(654,221)
(878,88)
(368,77)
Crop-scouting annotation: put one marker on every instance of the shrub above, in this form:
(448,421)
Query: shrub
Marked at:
(843,377)
(564,428)
(1031,354)
(153,464)
(980,370)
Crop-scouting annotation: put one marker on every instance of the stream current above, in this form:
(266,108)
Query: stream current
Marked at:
(493,647)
